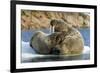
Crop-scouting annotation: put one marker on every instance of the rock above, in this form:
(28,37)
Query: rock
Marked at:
(31,19)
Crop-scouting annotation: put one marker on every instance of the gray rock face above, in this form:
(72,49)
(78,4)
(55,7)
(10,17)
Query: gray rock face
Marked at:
(66,40)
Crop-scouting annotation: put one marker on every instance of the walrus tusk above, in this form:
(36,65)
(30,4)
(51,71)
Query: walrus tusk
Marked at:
(52,29)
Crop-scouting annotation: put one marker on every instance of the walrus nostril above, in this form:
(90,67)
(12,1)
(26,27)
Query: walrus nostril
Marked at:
(55,51)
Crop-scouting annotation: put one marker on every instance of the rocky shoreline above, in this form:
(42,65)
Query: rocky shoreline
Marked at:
(40,19)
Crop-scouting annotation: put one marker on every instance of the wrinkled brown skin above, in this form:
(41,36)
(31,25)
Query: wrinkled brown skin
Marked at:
(66,39)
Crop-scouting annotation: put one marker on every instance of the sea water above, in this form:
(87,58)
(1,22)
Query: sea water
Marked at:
(29,55)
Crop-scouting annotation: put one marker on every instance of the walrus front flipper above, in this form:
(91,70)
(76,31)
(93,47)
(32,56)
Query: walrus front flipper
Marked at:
(55,51)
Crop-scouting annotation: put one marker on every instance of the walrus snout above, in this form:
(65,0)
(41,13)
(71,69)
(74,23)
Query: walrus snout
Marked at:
(55,51)
(56,22)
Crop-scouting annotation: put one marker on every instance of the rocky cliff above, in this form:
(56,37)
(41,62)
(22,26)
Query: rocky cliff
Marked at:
(40,19)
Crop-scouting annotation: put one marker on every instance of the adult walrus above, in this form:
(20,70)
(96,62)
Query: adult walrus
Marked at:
(66,40)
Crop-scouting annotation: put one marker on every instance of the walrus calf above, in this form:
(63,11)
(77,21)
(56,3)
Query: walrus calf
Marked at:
(39,42)
(66,40)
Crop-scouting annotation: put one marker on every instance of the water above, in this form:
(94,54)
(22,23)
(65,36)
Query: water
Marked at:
(26,35)
(86,35)
(29,55)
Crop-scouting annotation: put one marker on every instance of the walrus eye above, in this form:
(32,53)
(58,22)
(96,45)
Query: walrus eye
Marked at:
(55,51)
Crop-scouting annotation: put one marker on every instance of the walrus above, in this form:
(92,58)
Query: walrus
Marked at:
(66,40)
(39,42)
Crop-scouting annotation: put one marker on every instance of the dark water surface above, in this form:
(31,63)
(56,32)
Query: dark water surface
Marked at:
(26,49)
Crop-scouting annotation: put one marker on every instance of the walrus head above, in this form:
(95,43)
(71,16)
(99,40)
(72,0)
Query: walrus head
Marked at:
(59,25)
